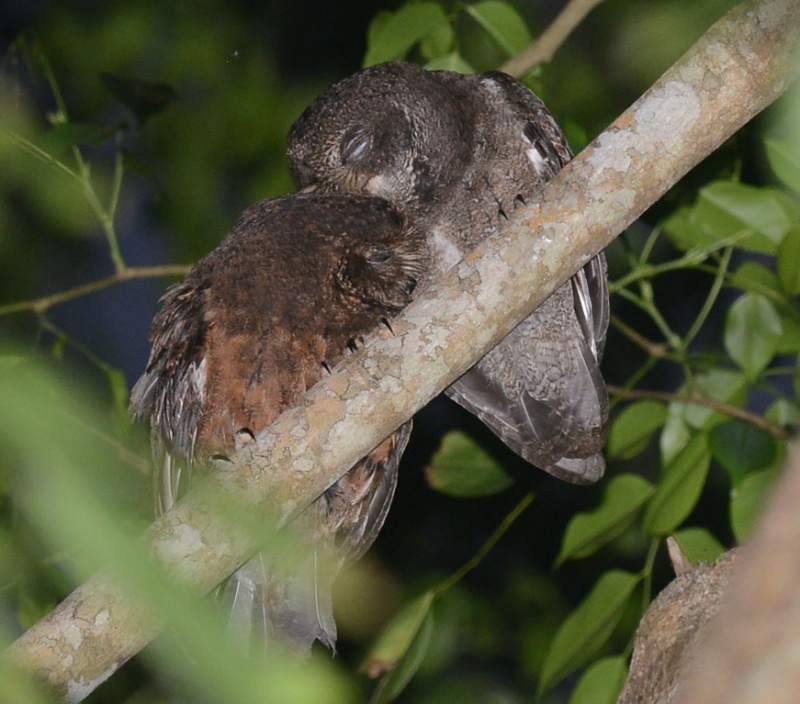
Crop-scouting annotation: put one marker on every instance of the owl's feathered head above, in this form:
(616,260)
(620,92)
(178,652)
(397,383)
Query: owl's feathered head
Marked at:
(391,131)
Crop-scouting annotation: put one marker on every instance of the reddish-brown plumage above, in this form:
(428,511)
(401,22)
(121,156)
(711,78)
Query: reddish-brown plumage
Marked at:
(254,324)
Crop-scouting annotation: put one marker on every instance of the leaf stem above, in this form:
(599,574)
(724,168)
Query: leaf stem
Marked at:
(473,562)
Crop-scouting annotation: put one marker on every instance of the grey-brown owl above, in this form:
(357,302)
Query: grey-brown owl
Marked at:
(458,154)
(255,323)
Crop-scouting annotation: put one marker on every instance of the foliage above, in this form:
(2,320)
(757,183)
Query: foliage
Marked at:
(703,356)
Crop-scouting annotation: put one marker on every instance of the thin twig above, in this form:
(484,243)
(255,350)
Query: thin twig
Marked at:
(486,548)
(41,305)
(542,49)
(654,349)
(697,398)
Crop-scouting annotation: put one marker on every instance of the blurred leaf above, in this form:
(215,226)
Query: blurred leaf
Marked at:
(788,261)
(450,62)
(790,340)
(784,159)
(62,136)
(143,98)
(698,544)
(783,412)
(503,23)
(460,467)
(438,43)
(678,488)
(602,682)
(588,627)
(119,394)
(622,500)
(748,500)
(31,610)
(753,332)
(756,278)
(400,649)
(741,448)
(18,687)
(633,428)
(391,36)
(56,465)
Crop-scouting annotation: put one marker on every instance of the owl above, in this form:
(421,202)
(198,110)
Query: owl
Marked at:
(458,154)
(297,282)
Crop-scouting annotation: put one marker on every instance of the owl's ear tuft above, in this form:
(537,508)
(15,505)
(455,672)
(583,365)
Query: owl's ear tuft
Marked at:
(355,145)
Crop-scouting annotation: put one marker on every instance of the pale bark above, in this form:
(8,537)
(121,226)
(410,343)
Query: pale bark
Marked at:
(737,68)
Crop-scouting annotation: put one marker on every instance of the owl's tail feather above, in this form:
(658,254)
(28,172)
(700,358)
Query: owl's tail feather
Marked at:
(280,604)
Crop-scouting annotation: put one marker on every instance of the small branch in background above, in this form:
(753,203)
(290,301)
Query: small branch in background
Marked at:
(128,273)
(542,49)
(654,349)
(777,431)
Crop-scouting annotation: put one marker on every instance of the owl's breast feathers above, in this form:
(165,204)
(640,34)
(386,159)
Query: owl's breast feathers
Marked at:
(252,326)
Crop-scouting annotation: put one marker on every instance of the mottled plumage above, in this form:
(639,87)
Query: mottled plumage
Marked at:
(254,324)
(458,154)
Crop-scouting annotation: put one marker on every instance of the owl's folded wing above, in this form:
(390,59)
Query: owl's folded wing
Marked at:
(169,394)
(540,389)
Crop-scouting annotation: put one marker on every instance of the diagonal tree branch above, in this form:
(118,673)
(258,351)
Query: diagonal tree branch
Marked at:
(737,68)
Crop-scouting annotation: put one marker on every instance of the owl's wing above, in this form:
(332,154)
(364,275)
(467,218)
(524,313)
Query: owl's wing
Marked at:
(169,394)
(540,389)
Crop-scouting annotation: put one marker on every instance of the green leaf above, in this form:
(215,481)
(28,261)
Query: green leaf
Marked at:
(588,627)
(391,36)
(460,467)
(790,340)
(450,62)
(622,500)
(503,23)
(119,394)
(679,487)
(788,261)
(721,384)
(753,218)
(784,159)
(741,448)
(143,98)
(736,208)
(753,332)
(756,278)
(602,682)
(698,544)
(748,500)
(30,610)
(438,43)
(401,647)
(676,433)
(633,428)
(783,412)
